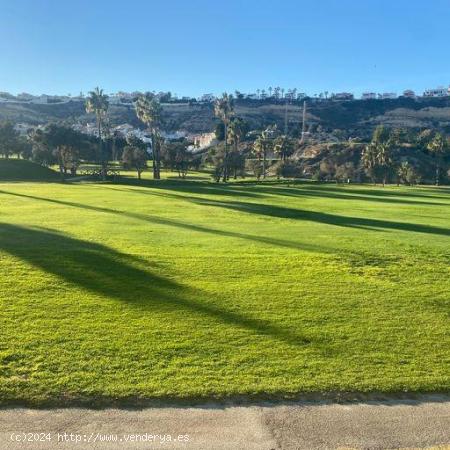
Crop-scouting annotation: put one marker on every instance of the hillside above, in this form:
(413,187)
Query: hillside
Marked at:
(356,117)
(23,170)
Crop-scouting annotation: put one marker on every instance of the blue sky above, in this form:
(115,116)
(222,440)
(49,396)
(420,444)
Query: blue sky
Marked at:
(200,46)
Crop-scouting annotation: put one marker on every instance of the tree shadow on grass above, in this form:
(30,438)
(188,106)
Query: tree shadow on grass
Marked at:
(296,188)
(113,274)
(313,216)
(342,194)
(191,187)
(183,225)
(377,192)
(320,217)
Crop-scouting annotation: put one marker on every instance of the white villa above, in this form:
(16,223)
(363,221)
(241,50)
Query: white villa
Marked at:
(207,98)
(388,95)
(409,93)
(438,92)
(203,140)
(368,96)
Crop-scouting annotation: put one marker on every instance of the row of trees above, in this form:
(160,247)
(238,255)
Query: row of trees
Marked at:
(231,157)
(60,144)
(11,143)
(148,110)
(383,155)
(402,155)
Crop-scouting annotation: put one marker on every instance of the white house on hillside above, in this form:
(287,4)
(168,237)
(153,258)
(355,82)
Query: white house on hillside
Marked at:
(41,99)
(207,98)
(438,92)
(388,95)
(342,96)
(203,140)
(409,93)
(368,96)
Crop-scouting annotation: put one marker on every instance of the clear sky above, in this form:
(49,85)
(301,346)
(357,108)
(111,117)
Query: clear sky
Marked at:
(201,46)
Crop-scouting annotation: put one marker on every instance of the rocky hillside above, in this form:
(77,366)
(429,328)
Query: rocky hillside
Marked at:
(357,117)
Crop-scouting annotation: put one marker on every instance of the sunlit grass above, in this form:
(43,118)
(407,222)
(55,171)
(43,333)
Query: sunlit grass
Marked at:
(190,289)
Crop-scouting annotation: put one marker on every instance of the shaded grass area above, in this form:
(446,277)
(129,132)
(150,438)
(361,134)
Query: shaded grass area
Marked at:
(23,170)
(183,289)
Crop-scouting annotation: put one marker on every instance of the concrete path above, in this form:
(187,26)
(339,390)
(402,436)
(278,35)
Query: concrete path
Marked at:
(372,425)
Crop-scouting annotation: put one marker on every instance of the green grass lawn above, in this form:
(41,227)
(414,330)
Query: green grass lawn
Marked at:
(190,289)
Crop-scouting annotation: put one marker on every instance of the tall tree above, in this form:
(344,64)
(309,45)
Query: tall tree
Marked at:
(283,147)
(135,155)
(58,144)
(381,150)
(97,103)
(438,147)
(176,156)
(9,139)
(236,131)
(384,158)
(261,146)
(369,161)
(224,110)
(149,111)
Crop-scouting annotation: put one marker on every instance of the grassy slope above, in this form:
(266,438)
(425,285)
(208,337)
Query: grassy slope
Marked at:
(22,170)
(191,289)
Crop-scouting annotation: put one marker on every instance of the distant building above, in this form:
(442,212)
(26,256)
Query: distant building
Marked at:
(124,96)
(252,96)
(173,136)
(388,95)
(25,97)
(409,93)
(22,128)
(438,92)
(368,96)
(124,129)
(41,99)
(114,99)
(204,140)
(208,98)
(343,96)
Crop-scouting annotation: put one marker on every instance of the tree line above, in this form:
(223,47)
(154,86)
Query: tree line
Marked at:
(392,155)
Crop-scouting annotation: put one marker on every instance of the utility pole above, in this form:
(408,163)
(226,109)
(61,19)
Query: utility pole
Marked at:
(303,123)
(286,118)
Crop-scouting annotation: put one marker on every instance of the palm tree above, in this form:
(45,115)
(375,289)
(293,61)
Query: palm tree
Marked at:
(236,131)
(97,103)
(369,159)
(260,147)
(378,153)
(149,111)
(402,172)
(438,147)
(384,157)
(224,110)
